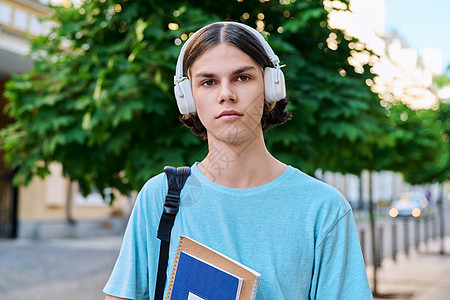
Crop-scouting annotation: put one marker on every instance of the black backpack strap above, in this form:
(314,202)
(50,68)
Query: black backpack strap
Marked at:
(176,178)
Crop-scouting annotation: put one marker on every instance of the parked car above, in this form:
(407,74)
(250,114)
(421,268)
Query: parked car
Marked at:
(411,204)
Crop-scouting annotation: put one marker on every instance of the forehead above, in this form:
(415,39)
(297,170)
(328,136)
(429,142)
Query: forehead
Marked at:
(222,57)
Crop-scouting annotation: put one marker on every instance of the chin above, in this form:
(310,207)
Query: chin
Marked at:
(237,140)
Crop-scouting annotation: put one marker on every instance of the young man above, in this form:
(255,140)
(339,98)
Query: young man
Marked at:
(298,232)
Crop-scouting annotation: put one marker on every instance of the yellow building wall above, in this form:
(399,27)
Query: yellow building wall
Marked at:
(45,200)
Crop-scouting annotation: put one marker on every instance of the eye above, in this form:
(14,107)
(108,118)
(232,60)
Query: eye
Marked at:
(208,82)
(243,78)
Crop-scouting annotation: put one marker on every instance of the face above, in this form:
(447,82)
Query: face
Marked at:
(228,89)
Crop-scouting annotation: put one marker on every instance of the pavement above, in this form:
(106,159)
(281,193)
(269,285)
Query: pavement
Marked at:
(423,274)
(78,269)
(62,269)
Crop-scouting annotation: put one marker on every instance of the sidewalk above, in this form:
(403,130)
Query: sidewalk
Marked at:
(423,275)
(56,269)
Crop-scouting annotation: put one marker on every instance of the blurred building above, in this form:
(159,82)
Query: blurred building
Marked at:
(403,73)
(52,207)
(406,75)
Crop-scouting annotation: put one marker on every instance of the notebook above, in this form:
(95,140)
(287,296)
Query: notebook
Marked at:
(196,279)
(189,250)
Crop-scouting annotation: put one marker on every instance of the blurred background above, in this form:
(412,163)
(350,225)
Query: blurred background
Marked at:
(87,115)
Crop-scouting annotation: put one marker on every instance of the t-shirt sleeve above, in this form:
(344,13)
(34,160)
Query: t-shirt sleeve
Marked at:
(339,271)
(137,262)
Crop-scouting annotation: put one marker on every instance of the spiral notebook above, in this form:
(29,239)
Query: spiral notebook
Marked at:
(200,272)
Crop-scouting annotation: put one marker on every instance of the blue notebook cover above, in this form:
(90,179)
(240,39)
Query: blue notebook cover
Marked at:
(205,281)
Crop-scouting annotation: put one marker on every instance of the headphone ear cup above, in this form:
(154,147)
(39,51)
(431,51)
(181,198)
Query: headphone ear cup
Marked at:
(183,95)
(274,85)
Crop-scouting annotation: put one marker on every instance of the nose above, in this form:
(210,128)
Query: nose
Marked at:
(226,93)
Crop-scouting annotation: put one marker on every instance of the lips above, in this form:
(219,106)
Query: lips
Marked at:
(229,114)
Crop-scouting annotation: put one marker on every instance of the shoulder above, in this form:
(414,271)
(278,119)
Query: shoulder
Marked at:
(157,182)
(319,193)
(152,192)
(324,206)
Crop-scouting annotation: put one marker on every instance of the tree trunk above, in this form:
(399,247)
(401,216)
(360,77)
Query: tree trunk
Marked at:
(372,231)
(440,206)
(69,200)
(360,202)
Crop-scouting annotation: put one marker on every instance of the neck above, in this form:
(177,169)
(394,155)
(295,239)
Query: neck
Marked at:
(244,165)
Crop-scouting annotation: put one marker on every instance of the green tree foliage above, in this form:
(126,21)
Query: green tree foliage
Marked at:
(443,79)
(335,113)
(100,99)
(422,136)
(422,148)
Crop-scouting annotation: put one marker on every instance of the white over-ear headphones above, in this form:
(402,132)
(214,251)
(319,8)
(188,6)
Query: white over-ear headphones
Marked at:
(274,85)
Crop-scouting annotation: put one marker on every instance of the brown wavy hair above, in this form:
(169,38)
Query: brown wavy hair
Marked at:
(274,113)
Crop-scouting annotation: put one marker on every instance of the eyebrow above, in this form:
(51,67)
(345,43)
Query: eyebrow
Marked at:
(238,71)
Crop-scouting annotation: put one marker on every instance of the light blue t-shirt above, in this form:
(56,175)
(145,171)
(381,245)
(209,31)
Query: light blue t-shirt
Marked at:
(298,232)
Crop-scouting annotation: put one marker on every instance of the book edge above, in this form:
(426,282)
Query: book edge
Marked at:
(255,287)
(225,256)
(174,271)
